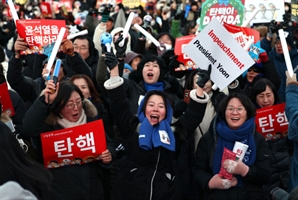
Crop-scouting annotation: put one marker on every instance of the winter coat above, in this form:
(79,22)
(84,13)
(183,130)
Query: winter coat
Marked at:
(257,175)
(73,182)
(280,65)
(279,163)
(150,174)
(292,112)
(30,89)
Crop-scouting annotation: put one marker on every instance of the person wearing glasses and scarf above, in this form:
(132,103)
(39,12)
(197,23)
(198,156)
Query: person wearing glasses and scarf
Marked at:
(64,108)
(234,122)
(264,68)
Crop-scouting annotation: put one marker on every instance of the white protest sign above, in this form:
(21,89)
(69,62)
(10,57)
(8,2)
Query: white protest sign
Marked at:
(269,10)
(216,46)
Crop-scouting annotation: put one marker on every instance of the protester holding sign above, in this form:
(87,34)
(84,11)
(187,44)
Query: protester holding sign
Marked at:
(67,108)
(234,122)
(291,112)
(276,56)
(264,95)
(151,143)
(30,89)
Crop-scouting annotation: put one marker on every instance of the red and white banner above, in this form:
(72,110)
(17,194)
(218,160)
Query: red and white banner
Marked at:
(73,146)
(272,121)
(39,33)
(46,9)
(180,43)
(5,100)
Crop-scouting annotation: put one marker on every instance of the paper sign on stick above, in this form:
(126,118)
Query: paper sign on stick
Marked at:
(216,46)
(73,146)
(272,122)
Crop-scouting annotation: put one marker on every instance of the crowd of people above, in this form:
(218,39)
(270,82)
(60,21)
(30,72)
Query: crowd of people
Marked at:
(159,144)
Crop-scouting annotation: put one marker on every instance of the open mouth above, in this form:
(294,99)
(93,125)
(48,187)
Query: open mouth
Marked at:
(154,118)
(75,115)
(235,119)
(150,75)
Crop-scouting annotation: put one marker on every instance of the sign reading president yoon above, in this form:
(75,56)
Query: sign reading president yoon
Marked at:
(216,46)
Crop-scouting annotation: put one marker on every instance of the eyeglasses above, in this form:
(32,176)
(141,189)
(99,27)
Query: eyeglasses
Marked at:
(71,106)
(254,69)
(80,48)
(239,110)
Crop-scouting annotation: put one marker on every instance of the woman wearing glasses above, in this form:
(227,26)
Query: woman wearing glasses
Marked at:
(66,108)
(234,122)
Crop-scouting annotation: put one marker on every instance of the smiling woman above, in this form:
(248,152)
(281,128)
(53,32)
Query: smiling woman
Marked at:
(66,108)
(234,123)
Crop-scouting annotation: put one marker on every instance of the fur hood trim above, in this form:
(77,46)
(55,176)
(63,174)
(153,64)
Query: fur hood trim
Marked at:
(90,111)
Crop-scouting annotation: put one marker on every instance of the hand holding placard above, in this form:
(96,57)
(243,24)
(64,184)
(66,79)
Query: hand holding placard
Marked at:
(204,76)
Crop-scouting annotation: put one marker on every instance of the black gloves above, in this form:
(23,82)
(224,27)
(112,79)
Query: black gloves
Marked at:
(180,108)
(111,60)
(204,76)
(120,51)
(273,28)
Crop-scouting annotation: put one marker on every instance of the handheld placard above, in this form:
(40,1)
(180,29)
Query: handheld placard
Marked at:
(56,72)
(55,50)
(13,11)
(253,14)
(286,51)
(106,39)
(148,35)
(126,28)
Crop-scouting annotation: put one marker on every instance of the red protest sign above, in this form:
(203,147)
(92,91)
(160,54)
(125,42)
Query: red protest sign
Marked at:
(180,43)
(5,100)
(242,34)
(46,9)
(39,33)
(73,146)
(272,121)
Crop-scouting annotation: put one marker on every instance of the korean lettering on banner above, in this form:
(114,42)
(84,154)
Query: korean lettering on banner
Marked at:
(39,33)
(45,9)
(73,146)
(294,10)
(272,122)
(180,43)
(228,11)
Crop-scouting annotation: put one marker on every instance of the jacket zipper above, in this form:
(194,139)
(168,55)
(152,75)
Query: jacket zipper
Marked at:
(152,179)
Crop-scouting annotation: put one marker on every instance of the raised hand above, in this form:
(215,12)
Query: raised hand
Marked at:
(204,76)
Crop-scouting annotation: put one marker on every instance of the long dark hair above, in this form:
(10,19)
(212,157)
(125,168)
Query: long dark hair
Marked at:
(246,102)
(95,97)
(259,87)
(20,164)
(65,90)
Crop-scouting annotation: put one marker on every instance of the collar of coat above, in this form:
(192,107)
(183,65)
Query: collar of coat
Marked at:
(90,111)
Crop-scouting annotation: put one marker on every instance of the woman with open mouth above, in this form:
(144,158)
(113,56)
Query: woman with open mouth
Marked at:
(151,142)
(64,106)
(223,177)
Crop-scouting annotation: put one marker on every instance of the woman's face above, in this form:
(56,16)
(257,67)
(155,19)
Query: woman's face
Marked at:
(73,108)
(252,73)
(82,84)
(207,88)
(235,113)
(135,62)
(155,109)
(151,72)
(266,98)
